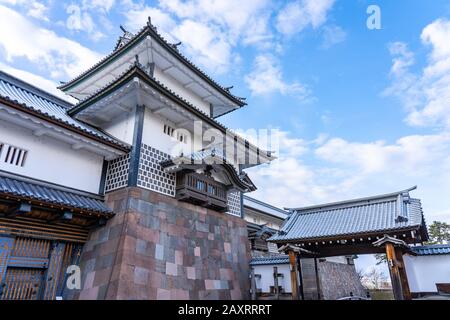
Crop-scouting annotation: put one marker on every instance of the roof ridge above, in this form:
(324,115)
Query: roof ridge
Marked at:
(355,201)
(152,30)
(266,204)
(32,89)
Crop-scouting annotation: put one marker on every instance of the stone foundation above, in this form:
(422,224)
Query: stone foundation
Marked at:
(159,248)
(336,280)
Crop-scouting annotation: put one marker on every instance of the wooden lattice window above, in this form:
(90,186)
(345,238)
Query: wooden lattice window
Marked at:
(13,155)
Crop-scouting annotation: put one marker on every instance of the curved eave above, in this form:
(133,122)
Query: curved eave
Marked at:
(136,71)
(43,116)
(240,184)
(373,233)
(149,31)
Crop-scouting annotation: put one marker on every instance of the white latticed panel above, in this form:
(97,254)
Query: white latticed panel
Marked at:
(234,203)
(151,175)
(117,175)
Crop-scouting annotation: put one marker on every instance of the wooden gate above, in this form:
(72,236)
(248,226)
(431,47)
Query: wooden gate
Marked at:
(32,269)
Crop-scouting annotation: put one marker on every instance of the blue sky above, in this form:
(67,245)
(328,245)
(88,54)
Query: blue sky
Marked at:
(359,112)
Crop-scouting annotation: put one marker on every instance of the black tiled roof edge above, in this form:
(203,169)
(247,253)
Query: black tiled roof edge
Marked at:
(151,30)
(16,186)
(35,90)
(117,143)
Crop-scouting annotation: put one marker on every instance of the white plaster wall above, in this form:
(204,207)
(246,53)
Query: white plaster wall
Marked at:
(153,135)
(51,160)
(266,279)
(178,88)
(122,127)
(425,271)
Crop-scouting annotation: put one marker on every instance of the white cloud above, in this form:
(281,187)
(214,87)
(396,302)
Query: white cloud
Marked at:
(333,35)
(266,78)
(37,81)
(209,30)
(88,16)
(62,57)
(425,95)
(336,169)
(205,43)
(33,8)
(300,14)
(38,10)
(136,18)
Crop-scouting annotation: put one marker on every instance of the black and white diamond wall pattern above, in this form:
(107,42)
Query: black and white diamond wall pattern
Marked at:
(117,174)
(151,175)
(234,203)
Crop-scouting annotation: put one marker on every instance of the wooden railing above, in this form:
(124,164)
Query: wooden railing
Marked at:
(202,190)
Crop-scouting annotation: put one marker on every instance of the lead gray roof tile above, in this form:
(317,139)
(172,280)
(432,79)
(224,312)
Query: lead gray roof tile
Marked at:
(360,216)
(37,100)
(49,195)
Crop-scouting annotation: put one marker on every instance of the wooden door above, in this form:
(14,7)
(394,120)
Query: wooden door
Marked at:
(32,269)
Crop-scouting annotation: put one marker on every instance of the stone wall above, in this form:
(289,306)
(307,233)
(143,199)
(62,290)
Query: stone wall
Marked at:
(337,280)
(159,248)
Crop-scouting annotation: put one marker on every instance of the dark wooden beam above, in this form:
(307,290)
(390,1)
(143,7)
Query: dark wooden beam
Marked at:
(293,269)
(61,217)
(19,209)
(403,276)
(394,272)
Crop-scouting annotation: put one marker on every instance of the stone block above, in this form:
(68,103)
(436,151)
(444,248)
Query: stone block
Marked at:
(171,269)
(190,271)
(141,275)
(163,294)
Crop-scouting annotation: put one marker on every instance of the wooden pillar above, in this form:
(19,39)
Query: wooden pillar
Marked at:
(403,276)
(394,272)
(275,283)
(293,269)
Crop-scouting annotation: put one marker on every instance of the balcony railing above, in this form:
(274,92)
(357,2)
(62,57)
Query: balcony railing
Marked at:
(201,190)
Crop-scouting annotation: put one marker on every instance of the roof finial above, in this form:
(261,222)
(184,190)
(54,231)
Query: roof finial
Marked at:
(149,23)
(123,29)
(229,88)
(175,45)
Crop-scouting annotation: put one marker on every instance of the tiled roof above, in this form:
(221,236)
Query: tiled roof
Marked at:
(431,249)
(18,92)
(279,259)
(137,69)
(122,78)
(390,212)
(149,29)
(51,195)
(202,157)
(264,207)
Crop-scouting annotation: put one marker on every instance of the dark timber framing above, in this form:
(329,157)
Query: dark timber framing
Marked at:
(137,71)
(137,143)
(103,178)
